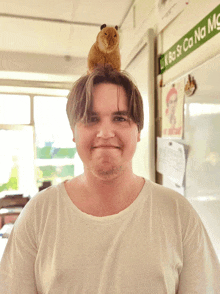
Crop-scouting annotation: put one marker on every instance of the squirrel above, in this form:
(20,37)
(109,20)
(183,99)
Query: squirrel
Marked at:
(106,49)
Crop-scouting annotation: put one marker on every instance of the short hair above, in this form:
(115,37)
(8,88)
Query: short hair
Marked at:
(80,99)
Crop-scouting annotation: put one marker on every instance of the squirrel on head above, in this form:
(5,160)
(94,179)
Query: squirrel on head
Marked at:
(106,49)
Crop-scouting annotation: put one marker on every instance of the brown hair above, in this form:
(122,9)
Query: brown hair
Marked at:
(80,98)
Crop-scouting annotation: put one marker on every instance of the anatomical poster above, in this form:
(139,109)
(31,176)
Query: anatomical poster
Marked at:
(172,110)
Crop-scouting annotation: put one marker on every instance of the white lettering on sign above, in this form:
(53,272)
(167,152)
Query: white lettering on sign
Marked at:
(200,34)
(188,43)
(166,60)
(179,50)
(218,22)
(172,56)
(214,23)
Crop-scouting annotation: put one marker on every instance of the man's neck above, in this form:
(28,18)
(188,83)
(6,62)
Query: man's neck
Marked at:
(101,198)
(113,190)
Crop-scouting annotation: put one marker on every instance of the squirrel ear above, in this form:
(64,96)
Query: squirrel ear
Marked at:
(103,26)
(116,27)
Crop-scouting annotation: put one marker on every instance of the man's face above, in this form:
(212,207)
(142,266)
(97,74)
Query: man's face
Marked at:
(107,144)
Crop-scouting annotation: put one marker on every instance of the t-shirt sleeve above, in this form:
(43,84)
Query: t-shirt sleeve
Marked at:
(17,273)
(201,268)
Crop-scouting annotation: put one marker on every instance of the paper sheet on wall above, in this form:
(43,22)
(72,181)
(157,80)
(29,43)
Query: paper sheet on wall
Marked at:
(171,160)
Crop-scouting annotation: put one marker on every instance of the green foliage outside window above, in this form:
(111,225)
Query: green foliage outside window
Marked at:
(49,152)
(52,172)
(45,173)
(12,184)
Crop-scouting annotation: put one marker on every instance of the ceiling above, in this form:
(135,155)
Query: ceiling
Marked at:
(52,37)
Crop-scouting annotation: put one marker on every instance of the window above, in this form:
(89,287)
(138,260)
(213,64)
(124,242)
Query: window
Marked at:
(17,161)
(14,109)
(25,163)
(55,148)
(16,148)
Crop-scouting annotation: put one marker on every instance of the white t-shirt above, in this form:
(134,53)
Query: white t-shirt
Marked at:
(157,245)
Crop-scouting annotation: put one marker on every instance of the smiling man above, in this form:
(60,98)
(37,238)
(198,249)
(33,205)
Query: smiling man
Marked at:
(109,140)
(106,144)
(108,231)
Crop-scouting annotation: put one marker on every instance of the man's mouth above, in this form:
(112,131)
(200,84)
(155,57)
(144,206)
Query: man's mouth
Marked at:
(106,146)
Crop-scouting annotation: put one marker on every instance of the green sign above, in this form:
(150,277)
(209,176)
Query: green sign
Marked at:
(202,32)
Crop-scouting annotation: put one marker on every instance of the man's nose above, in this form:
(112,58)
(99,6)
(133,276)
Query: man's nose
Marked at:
(106,131)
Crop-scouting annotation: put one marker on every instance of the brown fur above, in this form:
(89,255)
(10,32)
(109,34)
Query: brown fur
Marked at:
(105,50)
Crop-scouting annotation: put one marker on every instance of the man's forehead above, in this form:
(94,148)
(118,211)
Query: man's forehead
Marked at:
(108,100)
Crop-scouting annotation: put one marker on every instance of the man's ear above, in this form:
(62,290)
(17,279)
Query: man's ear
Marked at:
(139,137)
(73,134)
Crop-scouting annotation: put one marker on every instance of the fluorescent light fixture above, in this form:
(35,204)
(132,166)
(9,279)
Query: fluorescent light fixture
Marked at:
(37,91)
(196,109)
(11,75)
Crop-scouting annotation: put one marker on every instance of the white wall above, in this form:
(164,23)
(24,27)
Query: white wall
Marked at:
(192,15)
(143,17)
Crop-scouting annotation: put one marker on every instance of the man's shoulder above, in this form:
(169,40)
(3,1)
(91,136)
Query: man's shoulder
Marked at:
(46,195)
(167,196)
(158,189)
(41,204)
(172,208)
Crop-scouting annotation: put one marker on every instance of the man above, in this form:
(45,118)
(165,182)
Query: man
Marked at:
(106,144)
(108,230)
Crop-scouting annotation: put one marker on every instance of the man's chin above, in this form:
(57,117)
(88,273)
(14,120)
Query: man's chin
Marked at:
(108,173)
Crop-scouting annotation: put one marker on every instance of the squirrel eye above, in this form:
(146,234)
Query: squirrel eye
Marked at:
(105,33)
(114,35)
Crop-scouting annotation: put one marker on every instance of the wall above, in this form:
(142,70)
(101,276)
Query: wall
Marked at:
(142,16)
(192,14)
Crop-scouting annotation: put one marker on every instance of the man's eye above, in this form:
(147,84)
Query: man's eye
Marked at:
(93,119)
(120,118)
